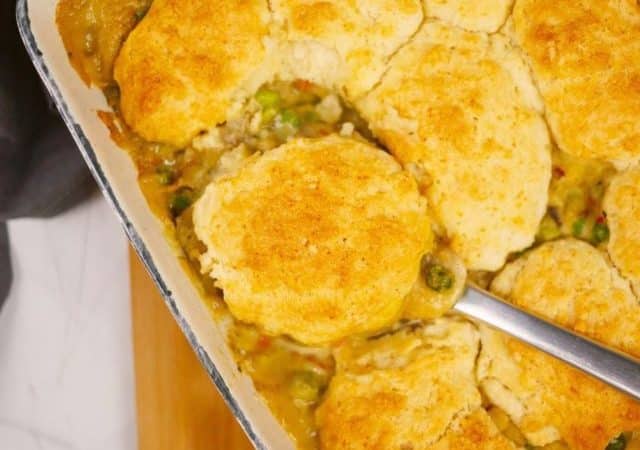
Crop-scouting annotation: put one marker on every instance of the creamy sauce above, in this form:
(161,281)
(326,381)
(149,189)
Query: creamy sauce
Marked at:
(291,378)
(94,30)
(575,200)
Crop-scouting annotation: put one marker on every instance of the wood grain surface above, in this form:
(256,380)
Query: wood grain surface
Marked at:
(178,406)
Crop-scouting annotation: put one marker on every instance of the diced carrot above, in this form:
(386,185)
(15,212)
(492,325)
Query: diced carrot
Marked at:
(558,172)
(263,343)
(303,85)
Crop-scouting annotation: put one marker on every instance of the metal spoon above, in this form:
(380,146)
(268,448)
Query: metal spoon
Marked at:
(608,365)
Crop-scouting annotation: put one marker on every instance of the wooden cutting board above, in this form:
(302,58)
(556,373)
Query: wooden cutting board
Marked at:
(178,407)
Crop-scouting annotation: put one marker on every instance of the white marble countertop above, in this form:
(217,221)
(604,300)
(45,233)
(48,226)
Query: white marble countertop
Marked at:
(66,370)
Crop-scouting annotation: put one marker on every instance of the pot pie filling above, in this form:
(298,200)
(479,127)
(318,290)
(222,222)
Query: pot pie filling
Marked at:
(260,165)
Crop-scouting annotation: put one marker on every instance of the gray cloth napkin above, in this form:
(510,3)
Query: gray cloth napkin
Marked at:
(41,172)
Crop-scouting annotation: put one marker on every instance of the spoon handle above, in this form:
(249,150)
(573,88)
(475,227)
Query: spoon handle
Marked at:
(610,366)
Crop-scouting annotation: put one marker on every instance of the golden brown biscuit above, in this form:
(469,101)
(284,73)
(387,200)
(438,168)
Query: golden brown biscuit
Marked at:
(474,15)
(406,389)
(571,283)
(181,67)
(585,56)
(459,109)
(344,45)
(318,239)
(622,205)
(475,431)
(549,400)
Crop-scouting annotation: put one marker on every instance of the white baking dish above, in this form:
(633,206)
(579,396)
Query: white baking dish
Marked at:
(116,176)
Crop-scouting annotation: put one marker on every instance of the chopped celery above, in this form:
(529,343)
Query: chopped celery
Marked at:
(267,98)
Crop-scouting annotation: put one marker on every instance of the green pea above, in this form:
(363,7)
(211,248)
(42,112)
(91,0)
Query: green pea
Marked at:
(166,175)
(578,226)
(267,98)
(438,277)
(618,443)
(305,386)
(289,117)
(180,200)
(600,233)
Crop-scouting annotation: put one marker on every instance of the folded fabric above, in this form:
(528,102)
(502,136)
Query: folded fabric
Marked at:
(41,172)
